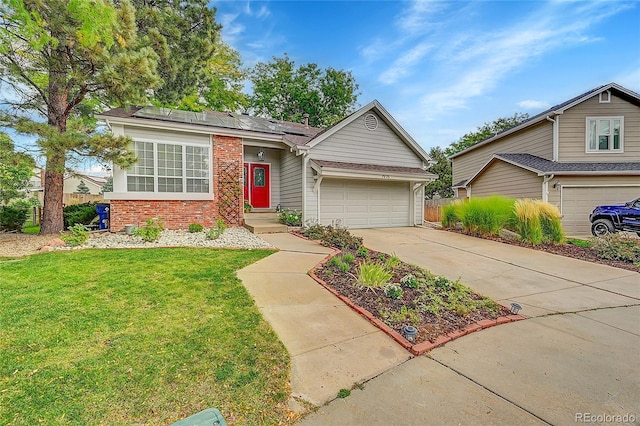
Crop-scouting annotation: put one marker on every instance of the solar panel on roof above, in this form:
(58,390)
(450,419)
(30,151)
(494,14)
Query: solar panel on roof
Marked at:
(231,121)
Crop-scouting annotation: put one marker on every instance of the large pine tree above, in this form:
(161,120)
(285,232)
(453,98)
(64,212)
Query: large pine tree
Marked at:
(58,54)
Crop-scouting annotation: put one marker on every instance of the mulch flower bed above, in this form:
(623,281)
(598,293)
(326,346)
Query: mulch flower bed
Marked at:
(437,308)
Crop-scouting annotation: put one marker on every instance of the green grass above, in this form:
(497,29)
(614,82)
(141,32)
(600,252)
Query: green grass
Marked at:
(136,337)
(31,229)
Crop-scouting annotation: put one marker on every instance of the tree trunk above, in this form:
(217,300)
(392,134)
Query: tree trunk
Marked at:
(52,218)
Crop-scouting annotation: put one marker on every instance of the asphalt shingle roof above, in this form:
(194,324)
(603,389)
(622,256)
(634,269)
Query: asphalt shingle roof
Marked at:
(543,165)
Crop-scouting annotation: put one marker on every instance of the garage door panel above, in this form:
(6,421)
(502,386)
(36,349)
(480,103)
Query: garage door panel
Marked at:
(365,204)
(578,202)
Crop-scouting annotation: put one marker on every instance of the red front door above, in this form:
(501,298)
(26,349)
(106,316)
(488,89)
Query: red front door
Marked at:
(258,188)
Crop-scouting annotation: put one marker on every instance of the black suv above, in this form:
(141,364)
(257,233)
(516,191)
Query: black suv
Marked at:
(619,217)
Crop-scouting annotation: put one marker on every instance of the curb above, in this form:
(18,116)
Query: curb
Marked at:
(419,348)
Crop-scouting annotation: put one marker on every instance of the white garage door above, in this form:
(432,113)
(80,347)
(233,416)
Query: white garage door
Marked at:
(578,202)
(364,204)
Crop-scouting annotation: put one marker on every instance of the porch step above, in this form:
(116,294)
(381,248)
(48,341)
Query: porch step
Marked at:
(263,223)
(266,228)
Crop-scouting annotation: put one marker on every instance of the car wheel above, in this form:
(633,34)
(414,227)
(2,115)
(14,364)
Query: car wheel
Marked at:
(602,227)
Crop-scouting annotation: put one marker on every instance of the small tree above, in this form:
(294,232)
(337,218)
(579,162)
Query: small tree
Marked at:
(16,169)
(441,186)
(82,188)
(108,185)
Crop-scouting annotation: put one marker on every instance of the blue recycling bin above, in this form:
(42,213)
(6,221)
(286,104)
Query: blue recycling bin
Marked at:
(103,212)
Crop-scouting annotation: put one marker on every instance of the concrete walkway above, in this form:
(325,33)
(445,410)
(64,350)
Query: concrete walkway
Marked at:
(577,358)
(331,346)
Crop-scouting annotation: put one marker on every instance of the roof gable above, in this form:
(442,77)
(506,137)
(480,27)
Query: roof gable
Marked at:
(380,112)
(622,92)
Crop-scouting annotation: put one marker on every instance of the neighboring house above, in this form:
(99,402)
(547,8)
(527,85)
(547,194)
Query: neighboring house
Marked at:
(576,155)
(365,171)
(94,183)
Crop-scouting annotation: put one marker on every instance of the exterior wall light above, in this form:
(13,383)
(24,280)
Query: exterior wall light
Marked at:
(261,155)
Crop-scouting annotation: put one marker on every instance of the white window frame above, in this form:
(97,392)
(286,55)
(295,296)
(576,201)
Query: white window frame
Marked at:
(183,195)
(597,119)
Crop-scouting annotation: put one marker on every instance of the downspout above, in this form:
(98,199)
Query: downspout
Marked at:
(305,164)
(545,187)
(556,147)
(418,187)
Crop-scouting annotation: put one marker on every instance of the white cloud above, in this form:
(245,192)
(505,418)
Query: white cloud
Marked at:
(403,65)
(531,105)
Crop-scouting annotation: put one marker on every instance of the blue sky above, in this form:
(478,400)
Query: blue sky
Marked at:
(444,68)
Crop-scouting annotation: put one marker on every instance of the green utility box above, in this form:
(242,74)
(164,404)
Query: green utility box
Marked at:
(208,417)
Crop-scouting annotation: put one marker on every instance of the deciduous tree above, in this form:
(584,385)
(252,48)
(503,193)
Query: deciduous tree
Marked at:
(442,167)
(16,169)
(286,92)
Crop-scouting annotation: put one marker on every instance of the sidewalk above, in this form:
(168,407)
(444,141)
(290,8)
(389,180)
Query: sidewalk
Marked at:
(331,346)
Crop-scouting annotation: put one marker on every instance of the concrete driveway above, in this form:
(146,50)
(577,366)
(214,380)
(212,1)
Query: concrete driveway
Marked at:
(577,359)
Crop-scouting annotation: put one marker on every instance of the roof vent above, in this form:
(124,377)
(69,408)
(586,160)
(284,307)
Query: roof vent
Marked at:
(370,122)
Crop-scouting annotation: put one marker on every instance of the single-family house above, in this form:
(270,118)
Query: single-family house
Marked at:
(576,155)
(73,181)
(364,171)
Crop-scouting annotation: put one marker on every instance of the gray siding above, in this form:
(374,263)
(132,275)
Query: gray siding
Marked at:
(271,157)
(537,140)
(356,144)
(290,180)
(311,212)
(508,180)
(573,128)
(418,204)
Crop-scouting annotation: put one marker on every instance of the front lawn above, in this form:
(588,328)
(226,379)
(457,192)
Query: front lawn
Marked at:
(145,336)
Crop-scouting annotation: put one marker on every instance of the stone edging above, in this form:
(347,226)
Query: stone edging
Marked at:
(419,348)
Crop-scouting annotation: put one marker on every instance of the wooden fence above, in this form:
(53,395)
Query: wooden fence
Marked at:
(433,208)
(69,199)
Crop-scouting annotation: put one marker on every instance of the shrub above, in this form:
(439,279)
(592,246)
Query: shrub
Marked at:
(372,275)
(195,228)
(339,237)
(393,291)
(151,231)
(617,247)
(392,261)
(537,221)
(214,233)
(348,258)
(79,235)
(451,214)
(83,213)
(290,217)
(441,282)
(362,251)
(409,281)
(314,232)
(487,215)
(12,217)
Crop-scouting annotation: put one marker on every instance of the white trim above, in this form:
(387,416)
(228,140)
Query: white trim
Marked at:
(156,195)
(602,99)
(588,130)
(545,187)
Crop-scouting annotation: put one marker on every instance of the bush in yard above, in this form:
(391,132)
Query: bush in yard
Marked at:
(214,233)
(151,231)
(537,221)
(83,213)
(79,235)
(194,228)
(339,237)
(409,281)
(451,214)
(617,247)
(12,218)
(314,232)
(487,215)
(372,275)
(393,291)
(290,217)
